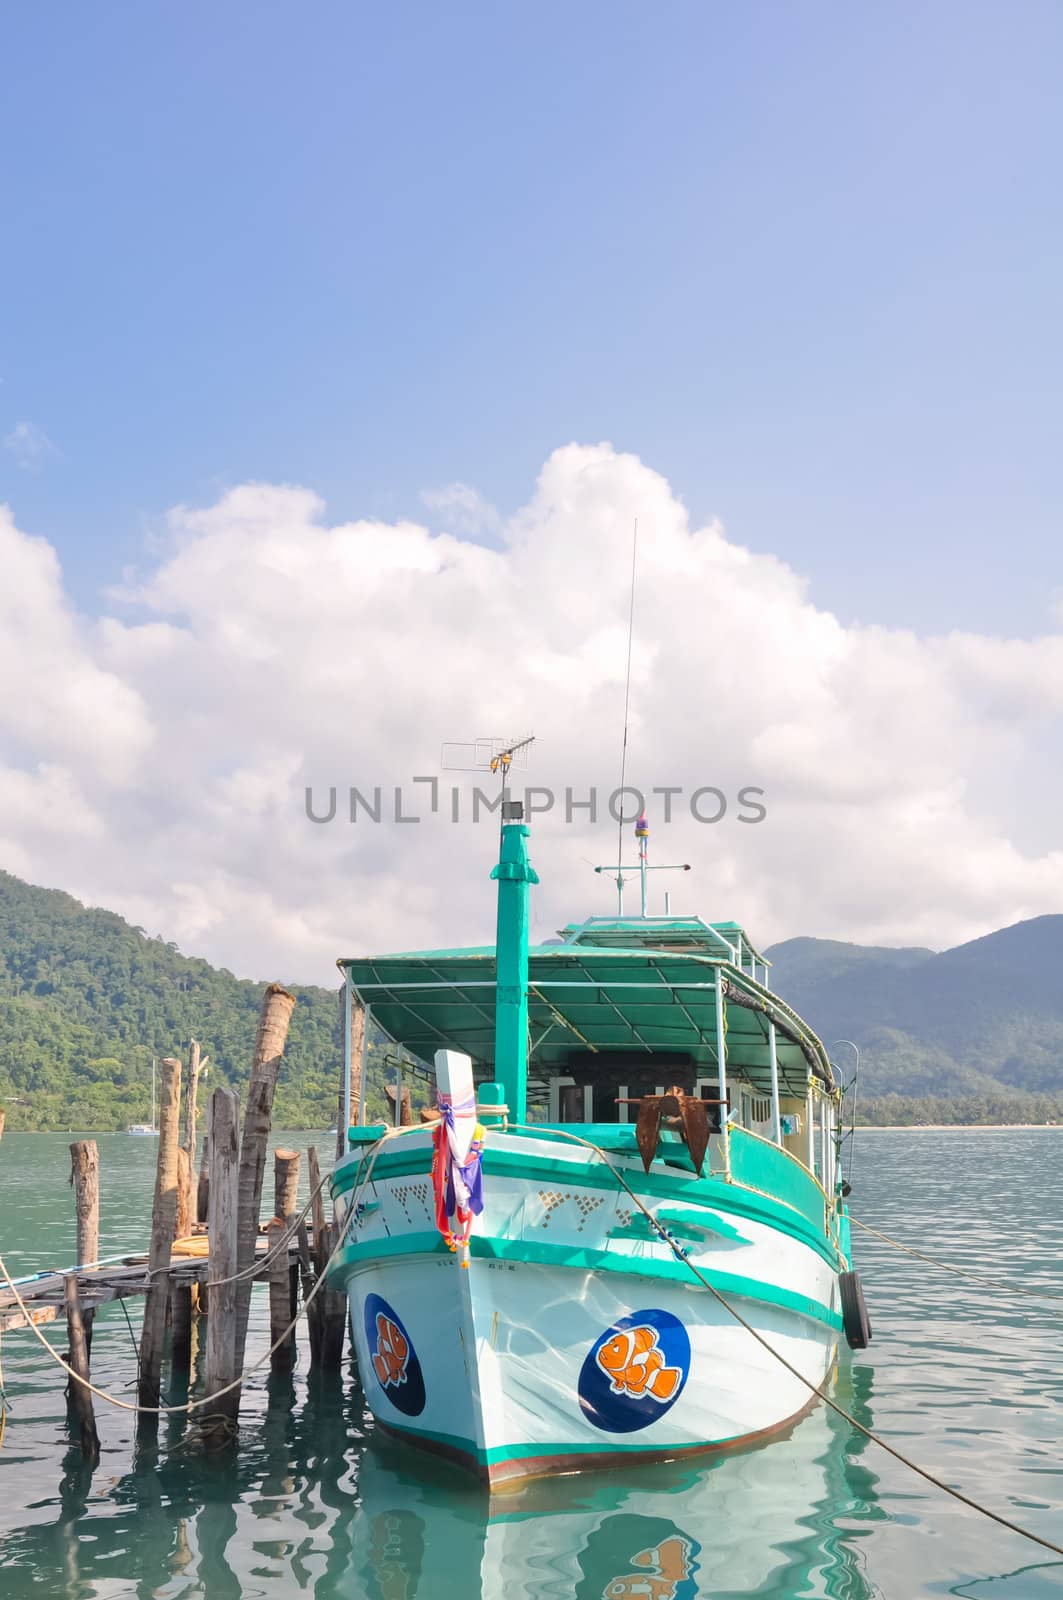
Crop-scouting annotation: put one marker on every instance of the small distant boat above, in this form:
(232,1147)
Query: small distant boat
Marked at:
(147,1130)
(655,1123)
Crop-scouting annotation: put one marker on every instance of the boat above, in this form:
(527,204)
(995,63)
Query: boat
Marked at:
(147,1130)
(623,1238)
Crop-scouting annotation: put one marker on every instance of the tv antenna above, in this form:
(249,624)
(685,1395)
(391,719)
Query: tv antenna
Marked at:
(495,755)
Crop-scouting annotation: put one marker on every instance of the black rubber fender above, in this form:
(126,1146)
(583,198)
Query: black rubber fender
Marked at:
(855,1320)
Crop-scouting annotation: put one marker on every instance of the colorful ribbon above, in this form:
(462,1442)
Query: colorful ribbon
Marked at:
(457,1171)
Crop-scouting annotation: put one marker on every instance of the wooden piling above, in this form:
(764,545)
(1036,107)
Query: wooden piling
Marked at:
(80,1398)
(221,1230)
(203,1182)
(317,1205)
(281,1312)
(357,1049)
(326,1317)
(85,1180)
(163,1218)
(3,1119)
(333,1308)
(191,1095)
(285,1184)
(277,1006)
(183,1219)
(313,1306)
(181,1330)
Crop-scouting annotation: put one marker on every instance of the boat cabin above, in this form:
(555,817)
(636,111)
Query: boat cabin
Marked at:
(619,1008)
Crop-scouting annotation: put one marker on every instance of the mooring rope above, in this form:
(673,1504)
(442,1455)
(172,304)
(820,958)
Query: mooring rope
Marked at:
(991,1279)
(206,1400)
(813,1388)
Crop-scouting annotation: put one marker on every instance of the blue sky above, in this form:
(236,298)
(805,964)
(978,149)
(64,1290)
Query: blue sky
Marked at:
(805,261)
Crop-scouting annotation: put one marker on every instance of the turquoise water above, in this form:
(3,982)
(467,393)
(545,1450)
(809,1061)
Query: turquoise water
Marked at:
(967,1380)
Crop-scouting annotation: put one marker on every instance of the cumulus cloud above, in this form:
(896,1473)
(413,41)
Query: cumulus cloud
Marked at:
(267,650)
(459,508)
(30,445)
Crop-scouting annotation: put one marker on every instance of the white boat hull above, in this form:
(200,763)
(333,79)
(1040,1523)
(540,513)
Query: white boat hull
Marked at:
(566,1343)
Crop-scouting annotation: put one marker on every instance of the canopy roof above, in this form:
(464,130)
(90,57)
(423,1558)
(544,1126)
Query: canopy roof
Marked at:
(666,933)
(597,997)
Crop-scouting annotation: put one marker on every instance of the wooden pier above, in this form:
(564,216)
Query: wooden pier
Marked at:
(195,1270)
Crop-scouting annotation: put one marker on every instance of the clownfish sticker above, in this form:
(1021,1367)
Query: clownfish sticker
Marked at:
(393,1358)
(392,1352)
(635,1371)
(634,1364)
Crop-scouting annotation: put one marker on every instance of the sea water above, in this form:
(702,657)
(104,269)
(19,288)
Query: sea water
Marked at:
(966,1379)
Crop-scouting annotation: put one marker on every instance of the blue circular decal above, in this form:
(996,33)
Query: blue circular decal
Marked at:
(635,1371)
(392,1357)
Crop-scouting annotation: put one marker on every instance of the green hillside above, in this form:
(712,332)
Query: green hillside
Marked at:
(86,1001)
(981,1024)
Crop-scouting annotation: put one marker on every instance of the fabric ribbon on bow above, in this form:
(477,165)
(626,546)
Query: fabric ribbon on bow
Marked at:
(457,1171)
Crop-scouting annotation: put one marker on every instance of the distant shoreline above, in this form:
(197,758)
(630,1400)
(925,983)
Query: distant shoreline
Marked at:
(957,1127)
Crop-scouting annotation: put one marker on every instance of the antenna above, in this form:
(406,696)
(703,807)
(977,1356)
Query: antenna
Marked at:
(502,762)
(642,834)
(489,755)
(623,747)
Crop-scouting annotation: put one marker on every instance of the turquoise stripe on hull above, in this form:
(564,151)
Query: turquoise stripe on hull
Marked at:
(536,1253)
(713,1193)
(491,1464)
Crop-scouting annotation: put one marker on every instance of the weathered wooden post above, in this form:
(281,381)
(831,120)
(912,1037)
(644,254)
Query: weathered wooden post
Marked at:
(334,1307)
(181,1330)
(191,1095)
(183,1217)
(355,1043)
(85,1181)
(329,1306)
(317,1207)
(285,1184)
(280,1300)
(277,1006)
(80,1396)
(313,1309)
(281,1286)
(221,1230)
(163,1217)
(3,1119)
(317,1219)
(203,1185)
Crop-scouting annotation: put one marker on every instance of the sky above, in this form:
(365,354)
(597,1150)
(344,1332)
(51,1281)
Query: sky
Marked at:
(340,350)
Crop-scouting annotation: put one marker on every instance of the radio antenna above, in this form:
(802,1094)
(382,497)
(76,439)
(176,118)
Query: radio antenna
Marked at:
(627,708)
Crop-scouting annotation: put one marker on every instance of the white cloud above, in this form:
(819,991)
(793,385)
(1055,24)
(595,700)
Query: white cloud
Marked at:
(30,445)
(459,508)
(268,650)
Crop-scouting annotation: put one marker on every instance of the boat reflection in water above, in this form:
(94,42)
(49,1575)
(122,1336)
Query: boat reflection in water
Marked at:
(762,1521)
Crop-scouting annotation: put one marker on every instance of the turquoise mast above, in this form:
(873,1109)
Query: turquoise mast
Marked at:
(514,876)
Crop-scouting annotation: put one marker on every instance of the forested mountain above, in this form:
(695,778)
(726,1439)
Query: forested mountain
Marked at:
(86,1001)
(983,1021)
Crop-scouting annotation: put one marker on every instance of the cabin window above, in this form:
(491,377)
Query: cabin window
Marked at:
(571,1101)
